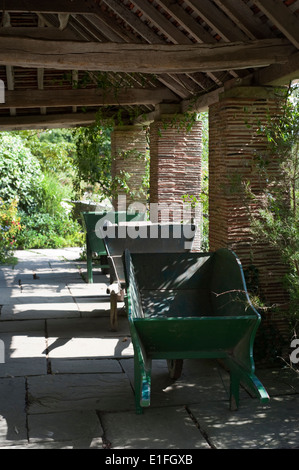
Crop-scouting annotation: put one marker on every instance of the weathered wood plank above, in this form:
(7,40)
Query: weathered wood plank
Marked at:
(217,20)
(186,21)
(52,6)
(146,58)
(282,17)
(46,121)
(88,97)
(279,74)
(159,20)
(244,18)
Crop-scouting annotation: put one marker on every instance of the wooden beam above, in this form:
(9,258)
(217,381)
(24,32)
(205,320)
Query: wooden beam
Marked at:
(10,85)
(217,20)
(145,58)
(195,29)
(202,103)
(282,17)
(46,121)
(88,97)
(134,22)
(49,33)
(53,6)
(276,75)
(162,23)
(245,19)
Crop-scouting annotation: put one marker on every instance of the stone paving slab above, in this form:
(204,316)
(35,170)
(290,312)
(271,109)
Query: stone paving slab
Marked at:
(25,348)
(13,428)
(83,337)
(85,366)
(67,392)
(68,380)
(39,310)
(156,428)
(253,426)
(65,430)
(86,327)
(85,290)
(193,386)
(92,307)
(90,347)
(23,356)
(36,294)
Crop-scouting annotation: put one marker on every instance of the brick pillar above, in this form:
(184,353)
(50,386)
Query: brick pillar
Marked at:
(128,150)
(234,144)
(175,165)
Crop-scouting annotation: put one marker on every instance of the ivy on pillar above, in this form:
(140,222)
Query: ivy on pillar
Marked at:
(129,150)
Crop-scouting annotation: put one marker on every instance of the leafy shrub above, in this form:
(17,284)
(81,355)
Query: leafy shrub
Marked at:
(20,171)
(42,230)
(9,228)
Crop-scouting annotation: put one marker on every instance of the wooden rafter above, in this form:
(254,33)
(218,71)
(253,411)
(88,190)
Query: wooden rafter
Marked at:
(86,97)
(244,18)
(282,17)
(217,20)
(159,20)
(195,29)
(47,121)
(143,58)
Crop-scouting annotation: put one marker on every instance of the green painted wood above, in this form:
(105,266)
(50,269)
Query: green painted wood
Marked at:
(190,305)
(95,244)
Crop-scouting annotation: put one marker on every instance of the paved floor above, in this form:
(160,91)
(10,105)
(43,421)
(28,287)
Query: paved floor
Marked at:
(67,379)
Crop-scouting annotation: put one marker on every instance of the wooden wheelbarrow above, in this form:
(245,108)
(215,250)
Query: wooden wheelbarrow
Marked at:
(94,243)
(139,237)
(190,305)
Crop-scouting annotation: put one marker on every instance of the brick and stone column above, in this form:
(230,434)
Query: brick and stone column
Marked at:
(234,145)
(175,167)
(129,148)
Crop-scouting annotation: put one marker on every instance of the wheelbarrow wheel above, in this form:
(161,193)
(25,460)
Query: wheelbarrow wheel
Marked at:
(175,367)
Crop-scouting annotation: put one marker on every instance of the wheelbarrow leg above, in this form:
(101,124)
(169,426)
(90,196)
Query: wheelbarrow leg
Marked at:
(248,379)
(142,385)
(89,262)
(113,311)
(175,367)
(234,391)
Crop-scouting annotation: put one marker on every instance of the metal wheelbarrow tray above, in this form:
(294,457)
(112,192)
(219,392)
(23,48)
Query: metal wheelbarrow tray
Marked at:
(190,305)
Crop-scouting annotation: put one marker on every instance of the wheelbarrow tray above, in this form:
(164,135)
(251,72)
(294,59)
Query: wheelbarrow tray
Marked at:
(191,305)
(140,237)
(94,242)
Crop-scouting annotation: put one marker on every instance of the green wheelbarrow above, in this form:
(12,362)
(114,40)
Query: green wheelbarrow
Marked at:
(140,237)
(190,305)
(92,223)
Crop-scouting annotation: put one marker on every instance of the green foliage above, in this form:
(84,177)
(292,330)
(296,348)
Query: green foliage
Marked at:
(20,172)
(53,148)
(35,173)
(93,160)
(203,198)
(278,221)
(9,229)
(93,163)
(53,195)
(42,230)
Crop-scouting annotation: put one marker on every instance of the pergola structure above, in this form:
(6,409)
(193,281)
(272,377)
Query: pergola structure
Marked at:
(155,60)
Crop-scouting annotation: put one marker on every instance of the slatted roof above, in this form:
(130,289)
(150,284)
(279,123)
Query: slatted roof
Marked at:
(62,61)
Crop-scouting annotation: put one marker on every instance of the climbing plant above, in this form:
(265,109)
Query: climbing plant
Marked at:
(277,220)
